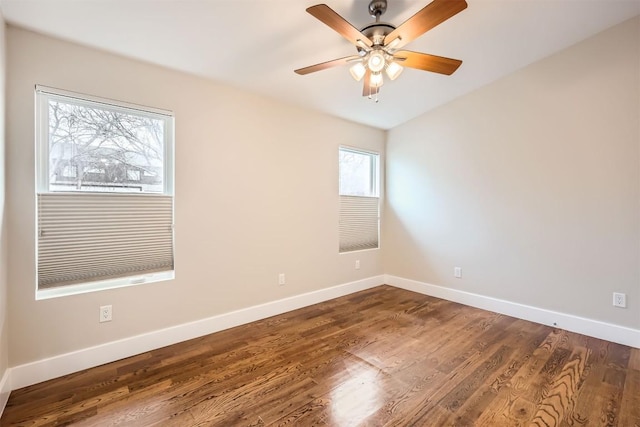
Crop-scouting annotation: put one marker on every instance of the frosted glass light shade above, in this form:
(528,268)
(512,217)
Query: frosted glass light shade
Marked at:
(376,80)
(357,71)
(393,70)
(376,62)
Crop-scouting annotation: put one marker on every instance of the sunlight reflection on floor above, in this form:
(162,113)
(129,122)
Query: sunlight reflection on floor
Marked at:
(356,398)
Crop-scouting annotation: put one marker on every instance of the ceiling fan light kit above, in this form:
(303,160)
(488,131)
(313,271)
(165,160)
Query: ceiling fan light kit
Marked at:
(378,43)
(357,71)
(393,70)
(376,80)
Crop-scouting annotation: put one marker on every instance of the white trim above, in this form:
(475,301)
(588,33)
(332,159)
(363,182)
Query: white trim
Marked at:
(594,328)
(81,97)
(56,366)
(63,364)
(101,285)
(5,389)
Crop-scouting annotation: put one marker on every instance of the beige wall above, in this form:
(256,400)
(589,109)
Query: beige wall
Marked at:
(530,184)
(256,195)
(4,342)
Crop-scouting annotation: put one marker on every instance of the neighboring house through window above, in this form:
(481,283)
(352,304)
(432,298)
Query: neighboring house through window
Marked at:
(359,200)
(104,193)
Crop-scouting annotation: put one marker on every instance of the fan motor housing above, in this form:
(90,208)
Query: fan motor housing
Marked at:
(377,31)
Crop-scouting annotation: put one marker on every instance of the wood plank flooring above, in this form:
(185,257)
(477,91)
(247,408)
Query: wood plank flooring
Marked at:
(381,357)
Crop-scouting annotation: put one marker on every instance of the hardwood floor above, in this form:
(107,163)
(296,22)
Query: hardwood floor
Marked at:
(381,357)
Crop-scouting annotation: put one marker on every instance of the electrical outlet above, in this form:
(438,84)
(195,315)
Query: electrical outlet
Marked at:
(106,313)
(281,279)
(357,264)
(457,272)
(619,300)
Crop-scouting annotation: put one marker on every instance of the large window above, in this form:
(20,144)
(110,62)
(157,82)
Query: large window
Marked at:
(104,193)
(359,200)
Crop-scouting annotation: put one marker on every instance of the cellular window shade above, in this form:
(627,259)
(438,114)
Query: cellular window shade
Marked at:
(89,237)
(359,222)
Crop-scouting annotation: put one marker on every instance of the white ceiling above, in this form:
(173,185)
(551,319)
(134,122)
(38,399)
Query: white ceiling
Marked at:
(256,44)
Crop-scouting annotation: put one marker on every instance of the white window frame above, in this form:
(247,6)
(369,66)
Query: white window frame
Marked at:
(43,95)
(374,180)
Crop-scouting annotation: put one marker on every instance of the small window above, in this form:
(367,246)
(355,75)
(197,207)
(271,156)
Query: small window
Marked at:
(359,200)
(358,173)
(101,224)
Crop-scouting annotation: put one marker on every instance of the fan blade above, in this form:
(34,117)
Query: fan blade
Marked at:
(431,15)
(329,17)
(325,65)
(367,90)
(426,62)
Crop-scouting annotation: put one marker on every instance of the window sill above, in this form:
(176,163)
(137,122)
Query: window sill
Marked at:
(102,285)
(358,250)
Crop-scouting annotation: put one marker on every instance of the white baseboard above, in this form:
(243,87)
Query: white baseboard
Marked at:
(5,389)
(53,367)
(56,366)
(593,328)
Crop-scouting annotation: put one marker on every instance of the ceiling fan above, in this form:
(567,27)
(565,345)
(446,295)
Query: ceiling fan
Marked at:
(378,43)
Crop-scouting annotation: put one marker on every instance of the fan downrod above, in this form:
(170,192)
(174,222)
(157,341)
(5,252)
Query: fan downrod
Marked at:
(377,8)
